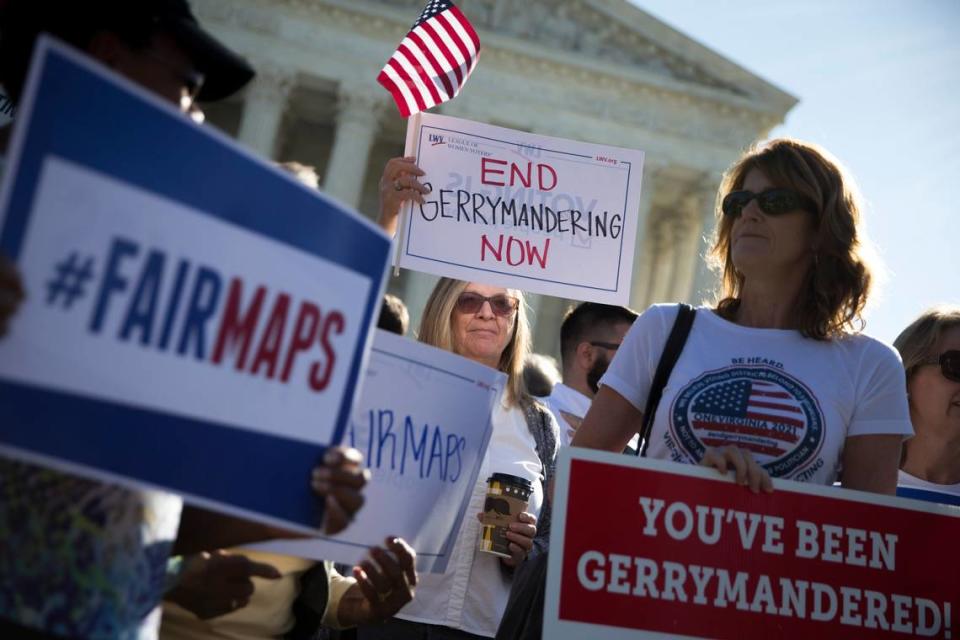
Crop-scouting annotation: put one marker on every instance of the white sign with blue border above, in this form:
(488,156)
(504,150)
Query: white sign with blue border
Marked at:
(422,422)
(196,319)
(521,210)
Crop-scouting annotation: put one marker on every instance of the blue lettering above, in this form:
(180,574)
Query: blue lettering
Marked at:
(112,281)
(202,306)
(174,305)
(143,305)
(386,434)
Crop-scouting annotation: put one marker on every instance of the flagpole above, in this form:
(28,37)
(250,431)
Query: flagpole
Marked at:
(410,149)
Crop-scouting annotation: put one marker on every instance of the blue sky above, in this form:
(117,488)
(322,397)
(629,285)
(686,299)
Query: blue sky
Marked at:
(879,86)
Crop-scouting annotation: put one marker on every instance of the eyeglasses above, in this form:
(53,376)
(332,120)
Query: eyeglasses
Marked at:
(613,346)
(949,362)
(773,202)
(501,305)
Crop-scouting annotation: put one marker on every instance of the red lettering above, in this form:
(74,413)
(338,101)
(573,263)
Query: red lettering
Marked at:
(534,254)
(518,251)
(320,378)
(497,253)
(304,333)
(484,171)
(553,174)
(515,171)
(510,245)
(272,338)
(236,326)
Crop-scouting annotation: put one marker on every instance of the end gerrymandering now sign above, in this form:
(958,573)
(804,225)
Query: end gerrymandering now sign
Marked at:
(651,549)
(522,210)
(422,422)
(195,320)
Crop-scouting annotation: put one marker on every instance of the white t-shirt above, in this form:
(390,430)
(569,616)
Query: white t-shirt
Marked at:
(790,400)
(568,400)
(472,594)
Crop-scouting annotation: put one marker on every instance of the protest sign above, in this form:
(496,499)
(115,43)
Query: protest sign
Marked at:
(195,318)
(522,210)
(422,422)
(652,549)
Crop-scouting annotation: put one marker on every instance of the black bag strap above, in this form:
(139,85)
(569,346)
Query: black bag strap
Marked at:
(671,353)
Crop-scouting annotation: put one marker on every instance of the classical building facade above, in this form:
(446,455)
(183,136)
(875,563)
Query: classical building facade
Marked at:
(596,70)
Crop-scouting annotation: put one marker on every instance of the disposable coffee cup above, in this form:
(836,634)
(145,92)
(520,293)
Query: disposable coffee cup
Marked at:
(507,498)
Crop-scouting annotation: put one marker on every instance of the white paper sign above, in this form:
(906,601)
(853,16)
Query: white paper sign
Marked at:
(521,210)
(422,423)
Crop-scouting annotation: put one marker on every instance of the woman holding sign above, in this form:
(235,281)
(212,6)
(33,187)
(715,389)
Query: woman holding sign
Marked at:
(487,325)
(930,348)
(776,379)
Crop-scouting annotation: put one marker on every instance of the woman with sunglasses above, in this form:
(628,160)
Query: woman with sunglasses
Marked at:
(488,325)
(775,380)
(930,348)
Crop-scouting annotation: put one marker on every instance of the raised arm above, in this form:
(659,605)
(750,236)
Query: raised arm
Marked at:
(609,424)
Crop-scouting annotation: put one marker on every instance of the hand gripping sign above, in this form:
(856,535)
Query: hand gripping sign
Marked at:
(422,422)
(651,549)
(195,319)
(522,210)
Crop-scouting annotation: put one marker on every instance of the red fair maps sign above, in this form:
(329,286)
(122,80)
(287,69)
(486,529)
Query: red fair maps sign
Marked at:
(643,548)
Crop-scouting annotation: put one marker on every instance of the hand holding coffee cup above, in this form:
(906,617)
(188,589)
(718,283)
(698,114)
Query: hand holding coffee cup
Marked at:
(508,530)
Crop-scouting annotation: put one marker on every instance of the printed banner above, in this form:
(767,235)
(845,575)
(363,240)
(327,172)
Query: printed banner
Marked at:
(422,422)
(521,210)
(195,318)
(649,549)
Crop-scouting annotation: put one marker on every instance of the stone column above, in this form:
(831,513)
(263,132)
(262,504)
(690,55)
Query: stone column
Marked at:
(266,103)
(358,122)
(688,238)
(643,259)
(662,270)
(705,281)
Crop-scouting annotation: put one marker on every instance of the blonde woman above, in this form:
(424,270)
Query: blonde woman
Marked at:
(776,379)
(930,348)
(487,325)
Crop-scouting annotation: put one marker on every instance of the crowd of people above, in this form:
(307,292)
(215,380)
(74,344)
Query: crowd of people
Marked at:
(782,345)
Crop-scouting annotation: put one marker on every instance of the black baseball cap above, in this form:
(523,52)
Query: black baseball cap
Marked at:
(134,21)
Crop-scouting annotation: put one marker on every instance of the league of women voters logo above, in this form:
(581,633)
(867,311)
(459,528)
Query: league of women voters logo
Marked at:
(758,408)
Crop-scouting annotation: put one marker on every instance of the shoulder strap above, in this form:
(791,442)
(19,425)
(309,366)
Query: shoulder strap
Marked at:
(671,352)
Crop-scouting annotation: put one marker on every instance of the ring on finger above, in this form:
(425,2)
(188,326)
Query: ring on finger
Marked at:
(234,604)
(386,594)
(397,186)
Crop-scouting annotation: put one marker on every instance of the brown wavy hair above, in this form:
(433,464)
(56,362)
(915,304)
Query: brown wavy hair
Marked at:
(436,329)
(837,284)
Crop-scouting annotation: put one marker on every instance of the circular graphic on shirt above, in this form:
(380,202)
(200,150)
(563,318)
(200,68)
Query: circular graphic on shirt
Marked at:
(758,408)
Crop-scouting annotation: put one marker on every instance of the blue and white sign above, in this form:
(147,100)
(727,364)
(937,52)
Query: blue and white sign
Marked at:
(422,423)
(196,319)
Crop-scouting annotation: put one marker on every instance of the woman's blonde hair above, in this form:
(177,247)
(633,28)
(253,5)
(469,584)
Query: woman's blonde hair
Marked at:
(436,329)
(837,283)
(917,342)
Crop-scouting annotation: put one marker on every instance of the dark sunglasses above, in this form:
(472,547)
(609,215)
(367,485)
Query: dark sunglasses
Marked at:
(613,346)
(503,306)
(949,362)
(773,202)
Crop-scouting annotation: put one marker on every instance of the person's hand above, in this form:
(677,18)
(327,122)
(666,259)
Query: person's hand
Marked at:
(11,292)
(748,472)
(340,481)
(217,583)
(387,579)
(398,184)
(521,535)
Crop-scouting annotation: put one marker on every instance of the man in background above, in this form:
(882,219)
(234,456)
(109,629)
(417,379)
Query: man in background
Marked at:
(589,337)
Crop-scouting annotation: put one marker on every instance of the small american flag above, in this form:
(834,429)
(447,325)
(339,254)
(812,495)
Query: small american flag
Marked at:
(433,61)
(756,415)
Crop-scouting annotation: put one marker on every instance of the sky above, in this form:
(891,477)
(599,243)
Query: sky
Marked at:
(879,86)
